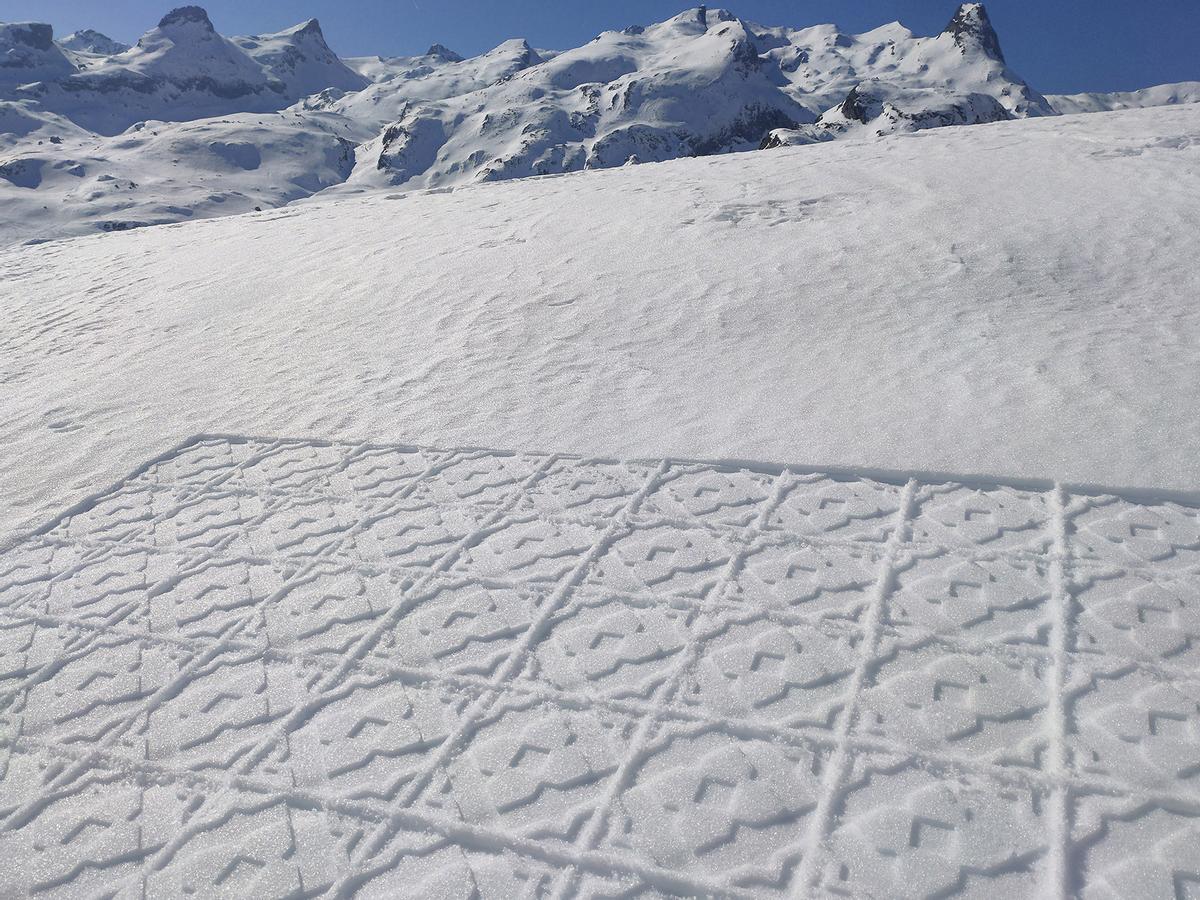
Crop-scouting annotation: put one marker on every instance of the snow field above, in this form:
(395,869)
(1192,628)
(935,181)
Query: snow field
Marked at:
(285,667)
(1014,300)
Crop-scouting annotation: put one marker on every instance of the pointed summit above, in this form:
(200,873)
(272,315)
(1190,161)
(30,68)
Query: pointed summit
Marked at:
(186,15)
(299,59)
(310,28)
(972,29)
(443,52)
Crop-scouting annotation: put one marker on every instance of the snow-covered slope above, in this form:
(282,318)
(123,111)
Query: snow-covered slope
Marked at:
(24,126)
(378,68)
(1160,95)
(684,87)
(877,108)
(253,642)
(894,304)
(438,75)
(162,172)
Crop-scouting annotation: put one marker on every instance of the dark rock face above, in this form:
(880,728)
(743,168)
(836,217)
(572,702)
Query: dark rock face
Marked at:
(28,54)
(443,52)
(854,107)
(771,141)
(23,173)
(37,35)
(752,127)
(312,27)
(184,15)
(971,28)
(745,55)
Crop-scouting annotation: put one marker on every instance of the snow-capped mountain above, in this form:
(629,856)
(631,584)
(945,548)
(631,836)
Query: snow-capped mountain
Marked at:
(28,53)
(183,70)
(1160,95)
(300,59)
(907,83)
(694,85)
(440,74)
(190,123)
(92,42)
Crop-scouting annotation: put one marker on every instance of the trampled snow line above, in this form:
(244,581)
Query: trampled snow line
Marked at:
(303,667)
(889,476)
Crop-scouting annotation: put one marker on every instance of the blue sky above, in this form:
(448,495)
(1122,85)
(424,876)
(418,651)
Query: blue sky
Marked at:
(1059,46)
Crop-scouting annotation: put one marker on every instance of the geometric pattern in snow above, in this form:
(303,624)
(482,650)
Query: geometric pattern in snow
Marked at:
(284,668)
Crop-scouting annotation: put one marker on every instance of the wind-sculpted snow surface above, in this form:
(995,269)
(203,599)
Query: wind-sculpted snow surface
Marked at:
(962,301)
(293,668)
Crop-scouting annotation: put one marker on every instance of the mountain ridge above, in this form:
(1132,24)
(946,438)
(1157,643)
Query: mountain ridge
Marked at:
(76,120)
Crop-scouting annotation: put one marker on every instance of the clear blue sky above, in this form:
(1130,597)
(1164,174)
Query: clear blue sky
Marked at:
(1059,46)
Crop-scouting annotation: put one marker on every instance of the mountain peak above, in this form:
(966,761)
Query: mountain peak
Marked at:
(184,15)
(88,40)
(443,52)
(971,28)
(311,27)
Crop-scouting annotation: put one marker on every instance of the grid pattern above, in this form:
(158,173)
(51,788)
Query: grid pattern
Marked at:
(294,668)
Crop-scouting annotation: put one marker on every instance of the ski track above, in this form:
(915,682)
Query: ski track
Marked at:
(296,668)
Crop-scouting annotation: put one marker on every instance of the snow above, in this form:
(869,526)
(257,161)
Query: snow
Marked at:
(703,82)
(164,172)
(300,58)
(28,52)
(818,521)
(91,43)
(181,70)
(301,668)
(1160,95)
(961,301)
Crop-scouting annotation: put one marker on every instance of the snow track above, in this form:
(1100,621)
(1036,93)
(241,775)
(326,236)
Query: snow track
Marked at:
(278,668)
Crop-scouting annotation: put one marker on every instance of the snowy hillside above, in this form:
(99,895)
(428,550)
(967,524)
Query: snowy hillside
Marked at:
(794,285)
(1161,95)
(361,549)
(165,172)
(75,116)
